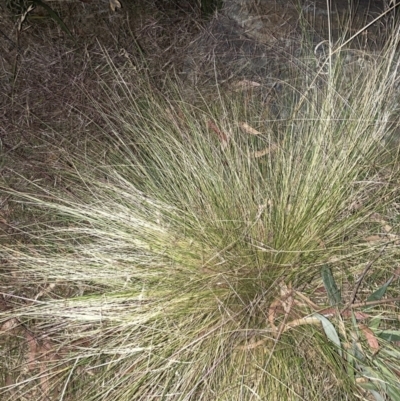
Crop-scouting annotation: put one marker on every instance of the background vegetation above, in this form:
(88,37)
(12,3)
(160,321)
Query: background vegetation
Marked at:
(229,242)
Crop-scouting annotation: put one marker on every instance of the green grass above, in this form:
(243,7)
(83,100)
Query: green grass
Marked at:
(171,256)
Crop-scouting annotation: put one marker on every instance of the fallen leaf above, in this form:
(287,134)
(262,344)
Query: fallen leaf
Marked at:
(245,84)
(248,129)
(114,4)
(9,325)
(370,336)
(302,321)
(357,315)
(268,150)
(373,239)
(395,238)
(32,350)
(222,136)
(387,228)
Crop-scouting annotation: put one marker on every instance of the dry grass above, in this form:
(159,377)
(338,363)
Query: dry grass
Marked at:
(155,248)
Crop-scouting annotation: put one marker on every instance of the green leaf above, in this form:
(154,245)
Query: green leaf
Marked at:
(388,381)
(379,293)
(356,351)
(330,331)
(374,322)
(331,288)
(55,17)
(376,395)
(389,335)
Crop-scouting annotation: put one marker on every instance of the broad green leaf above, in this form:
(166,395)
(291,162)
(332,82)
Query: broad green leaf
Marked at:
(388,381)
(331,288)
(391,352)
(376,395)
(356,351)
(366,385)
(330,331)
(375,378)
(389,335)
(379,293)
(55,17)
(394,391)
(374,322)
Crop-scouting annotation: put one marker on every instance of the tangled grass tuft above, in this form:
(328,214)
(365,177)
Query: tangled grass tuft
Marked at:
(198,247)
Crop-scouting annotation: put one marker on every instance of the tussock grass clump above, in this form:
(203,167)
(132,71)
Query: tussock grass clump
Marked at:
(199,247)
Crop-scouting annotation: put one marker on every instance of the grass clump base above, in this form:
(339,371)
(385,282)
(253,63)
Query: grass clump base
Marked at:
(189,242)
